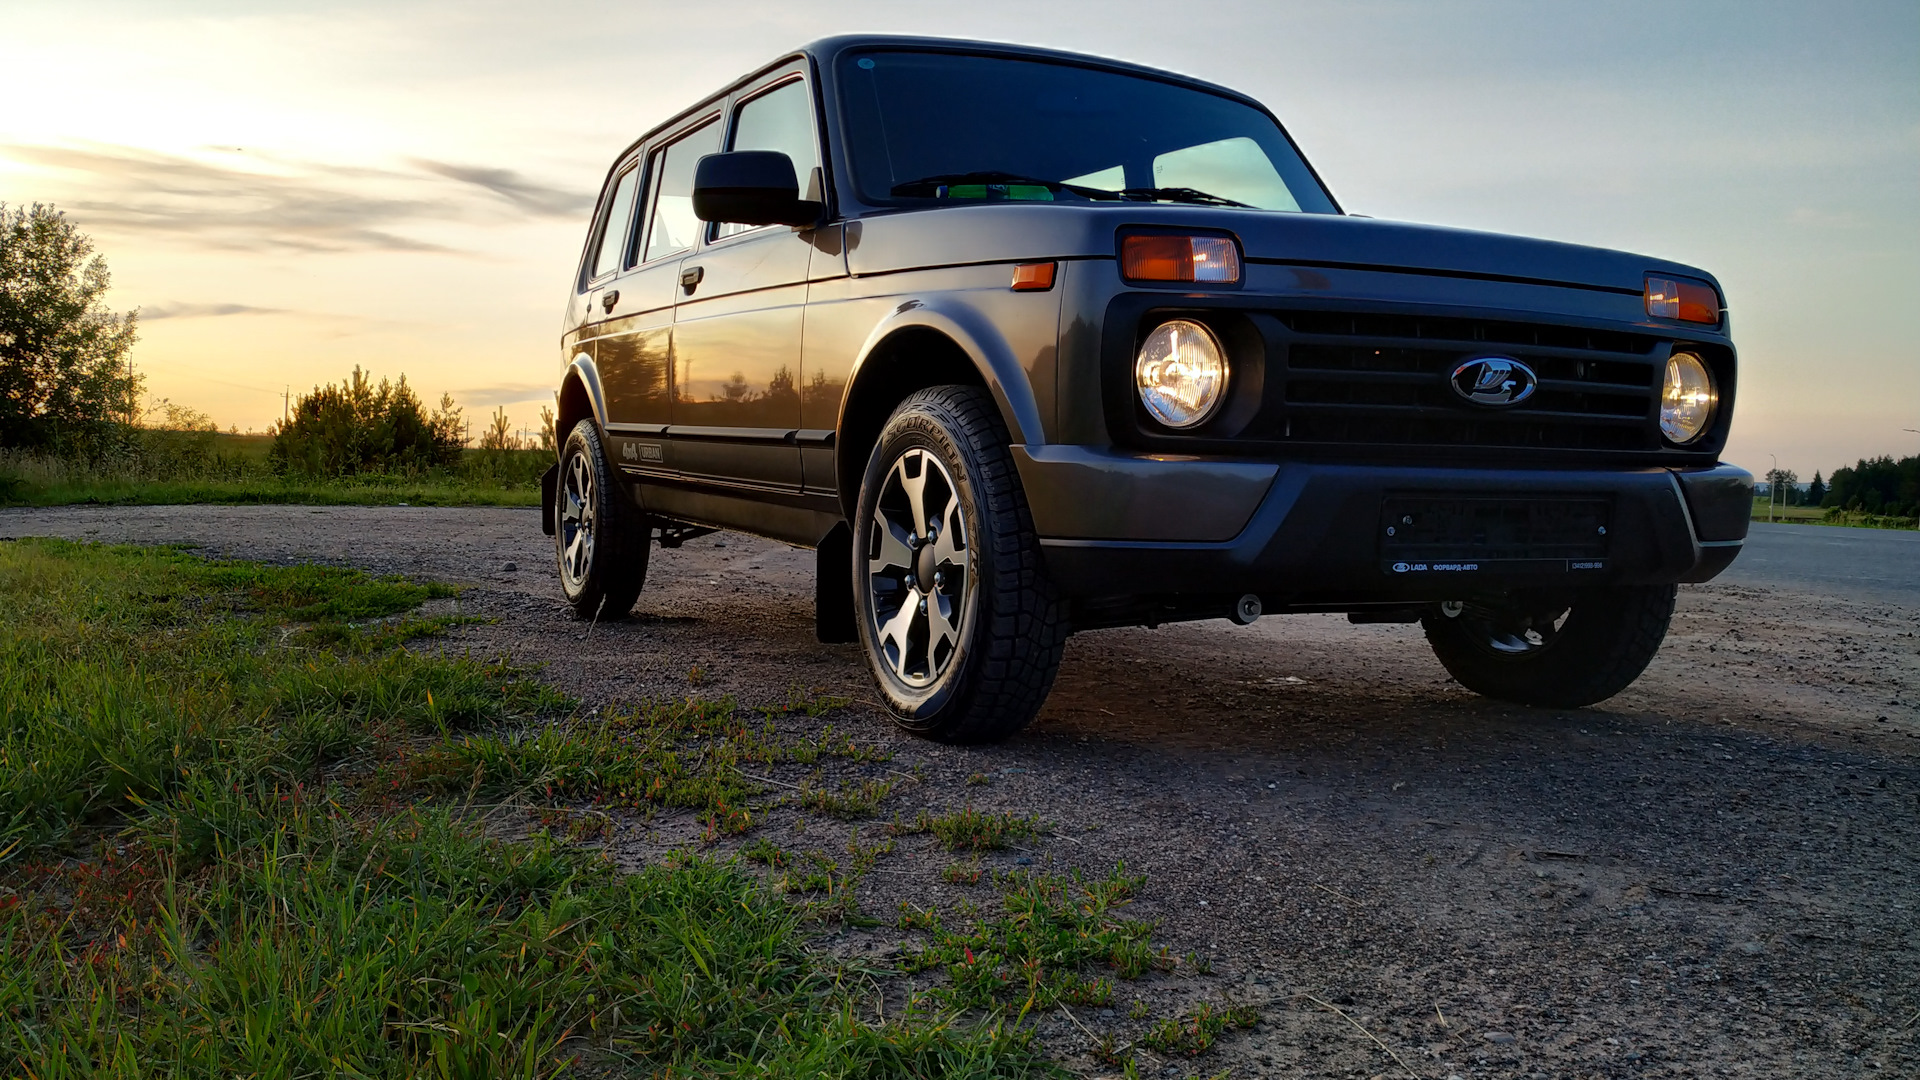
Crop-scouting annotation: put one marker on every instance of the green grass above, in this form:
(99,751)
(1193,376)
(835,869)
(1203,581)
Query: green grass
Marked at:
(972,830)
(1057,939)
(685,755)
(235,471)
(1814,515)
(1787,513)
(219,856)
(1194,1032)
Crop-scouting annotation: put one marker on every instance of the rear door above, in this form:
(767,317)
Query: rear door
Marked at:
(743,292)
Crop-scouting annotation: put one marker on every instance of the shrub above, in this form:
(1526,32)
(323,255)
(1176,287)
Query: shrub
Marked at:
(358,427)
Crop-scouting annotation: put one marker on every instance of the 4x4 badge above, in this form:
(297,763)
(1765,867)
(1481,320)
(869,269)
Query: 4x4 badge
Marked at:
(1494,380)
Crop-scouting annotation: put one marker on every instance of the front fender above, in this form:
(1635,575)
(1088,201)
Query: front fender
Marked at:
(977,336)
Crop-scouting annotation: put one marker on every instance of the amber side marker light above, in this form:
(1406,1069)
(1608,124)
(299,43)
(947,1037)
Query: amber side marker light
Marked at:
(1687,301)
(1033,277)
(1208,259)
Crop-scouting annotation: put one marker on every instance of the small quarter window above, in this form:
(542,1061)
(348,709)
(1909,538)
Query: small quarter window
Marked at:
(780,120)
(613,229)
(673,225)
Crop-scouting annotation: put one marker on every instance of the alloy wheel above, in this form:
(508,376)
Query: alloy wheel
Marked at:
(576,520)
(919,569)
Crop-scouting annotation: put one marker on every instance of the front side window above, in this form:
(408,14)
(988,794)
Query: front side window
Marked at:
(780,120)
(612,240)
(672,226)
(931,125)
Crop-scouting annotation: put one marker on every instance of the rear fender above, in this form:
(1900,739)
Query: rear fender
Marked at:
(580,398)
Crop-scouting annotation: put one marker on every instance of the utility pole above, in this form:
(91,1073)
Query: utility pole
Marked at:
(1773,487)
(286,406)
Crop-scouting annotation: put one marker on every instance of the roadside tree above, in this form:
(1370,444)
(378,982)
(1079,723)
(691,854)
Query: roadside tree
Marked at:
(1783,486)
(1877,486)
(65,383)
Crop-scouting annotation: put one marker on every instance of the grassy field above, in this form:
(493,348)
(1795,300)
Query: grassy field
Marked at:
(1786,513)
(197,467)
(245,831)
(1814,515)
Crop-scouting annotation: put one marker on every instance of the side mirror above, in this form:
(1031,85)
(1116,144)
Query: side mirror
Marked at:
(750,187)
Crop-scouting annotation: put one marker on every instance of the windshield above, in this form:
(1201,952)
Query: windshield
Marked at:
(925,126)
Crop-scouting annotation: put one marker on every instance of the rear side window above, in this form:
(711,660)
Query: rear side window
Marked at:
(672,225)
(612,240)
(780,120)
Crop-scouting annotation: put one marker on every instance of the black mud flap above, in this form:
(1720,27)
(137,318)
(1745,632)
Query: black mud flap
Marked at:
(548,481)
(833,588)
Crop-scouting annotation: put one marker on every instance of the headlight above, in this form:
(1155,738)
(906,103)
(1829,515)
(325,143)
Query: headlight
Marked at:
(1181,373)
(1687,398)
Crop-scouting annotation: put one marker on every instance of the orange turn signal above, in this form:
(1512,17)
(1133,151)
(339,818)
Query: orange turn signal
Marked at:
(1687,301)
(1033,277)
(1180,258)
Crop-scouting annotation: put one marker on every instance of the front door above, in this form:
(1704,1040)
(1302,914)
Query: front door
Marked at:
(736,332)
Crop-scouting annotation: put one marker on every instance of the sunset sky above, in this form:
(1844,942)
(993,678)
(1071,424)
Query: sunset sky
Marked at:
(288,190)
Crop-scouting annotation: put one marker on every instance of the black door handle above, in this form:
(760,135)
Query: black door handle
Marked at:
(608,299)
(690,278)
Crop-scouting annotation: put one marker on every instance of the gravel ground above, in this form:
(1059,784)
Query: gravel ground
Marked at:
(1716,873)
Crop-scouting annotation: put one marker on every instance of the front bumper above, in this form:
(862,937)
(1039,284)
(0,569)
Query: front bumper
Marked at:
(1303,534)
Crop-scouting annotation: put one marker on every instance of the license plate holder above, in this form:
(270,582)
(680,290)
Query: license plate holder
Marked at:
(1455,536)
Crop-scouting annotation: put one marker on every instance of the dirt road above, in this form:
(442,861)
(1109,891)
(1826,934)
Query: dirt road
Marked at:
(1716,873)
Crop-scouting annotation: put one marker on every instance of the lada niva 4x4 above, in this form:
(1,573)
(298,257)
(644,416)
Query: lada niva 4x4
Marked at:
(1024,342)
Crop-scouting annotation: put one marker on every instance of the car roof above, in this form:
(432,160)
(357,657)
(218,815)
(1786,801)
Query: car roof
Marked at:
(823,51)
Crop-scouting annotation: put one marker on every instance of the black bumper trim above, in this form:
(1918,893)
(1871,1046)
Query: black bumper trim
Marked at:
(1312,538)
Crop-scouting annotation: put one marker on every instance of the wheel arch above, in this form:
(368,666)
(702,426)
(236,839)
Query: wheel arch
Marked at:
(580,398)
(921,345)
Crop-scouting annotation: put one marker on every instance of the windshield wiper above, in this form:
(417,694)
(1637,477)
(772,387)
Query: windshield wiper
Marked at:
(936,186)
(1179,195)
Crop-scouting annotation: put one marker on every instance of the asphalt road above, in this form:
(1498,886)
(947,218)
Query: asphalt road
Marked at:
(1863,564)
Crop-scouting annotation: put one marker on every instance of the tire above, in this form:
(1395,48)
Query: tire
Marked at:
(1567,659)
(975,662)
(600,538)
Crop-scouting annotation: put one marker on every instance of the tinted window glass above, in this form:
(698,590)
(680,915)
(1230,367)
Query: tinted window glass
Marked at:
(783,121)
(1230,168)
(673,226)
(613,228)
(912,115)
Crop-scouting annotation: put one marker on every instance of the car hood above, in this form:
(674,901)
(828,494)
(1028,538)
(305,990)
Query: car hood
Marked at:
(1366,243)
(993,232)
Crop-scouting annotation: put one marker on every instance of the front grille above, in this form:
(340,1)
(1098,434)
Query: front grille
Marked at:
(1383,379)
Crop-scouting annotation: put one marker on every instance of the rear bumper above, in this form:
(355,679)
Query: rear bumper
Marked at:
(1307,534)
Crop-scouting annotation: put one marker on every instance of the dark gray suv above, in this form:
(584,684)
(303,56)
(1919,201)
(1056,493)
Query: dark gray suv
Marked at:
(1023,342)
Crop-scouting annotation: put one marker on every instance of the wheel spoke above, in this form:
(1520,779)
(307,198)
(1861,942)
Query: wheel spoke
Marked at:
(915,488)
(894,551)
(576,555)
(949,545)
(899,631)
(943,626)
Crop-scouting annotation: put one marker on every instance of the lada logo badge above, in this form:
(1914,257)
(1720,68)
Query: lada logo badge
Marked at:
(1494,380)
